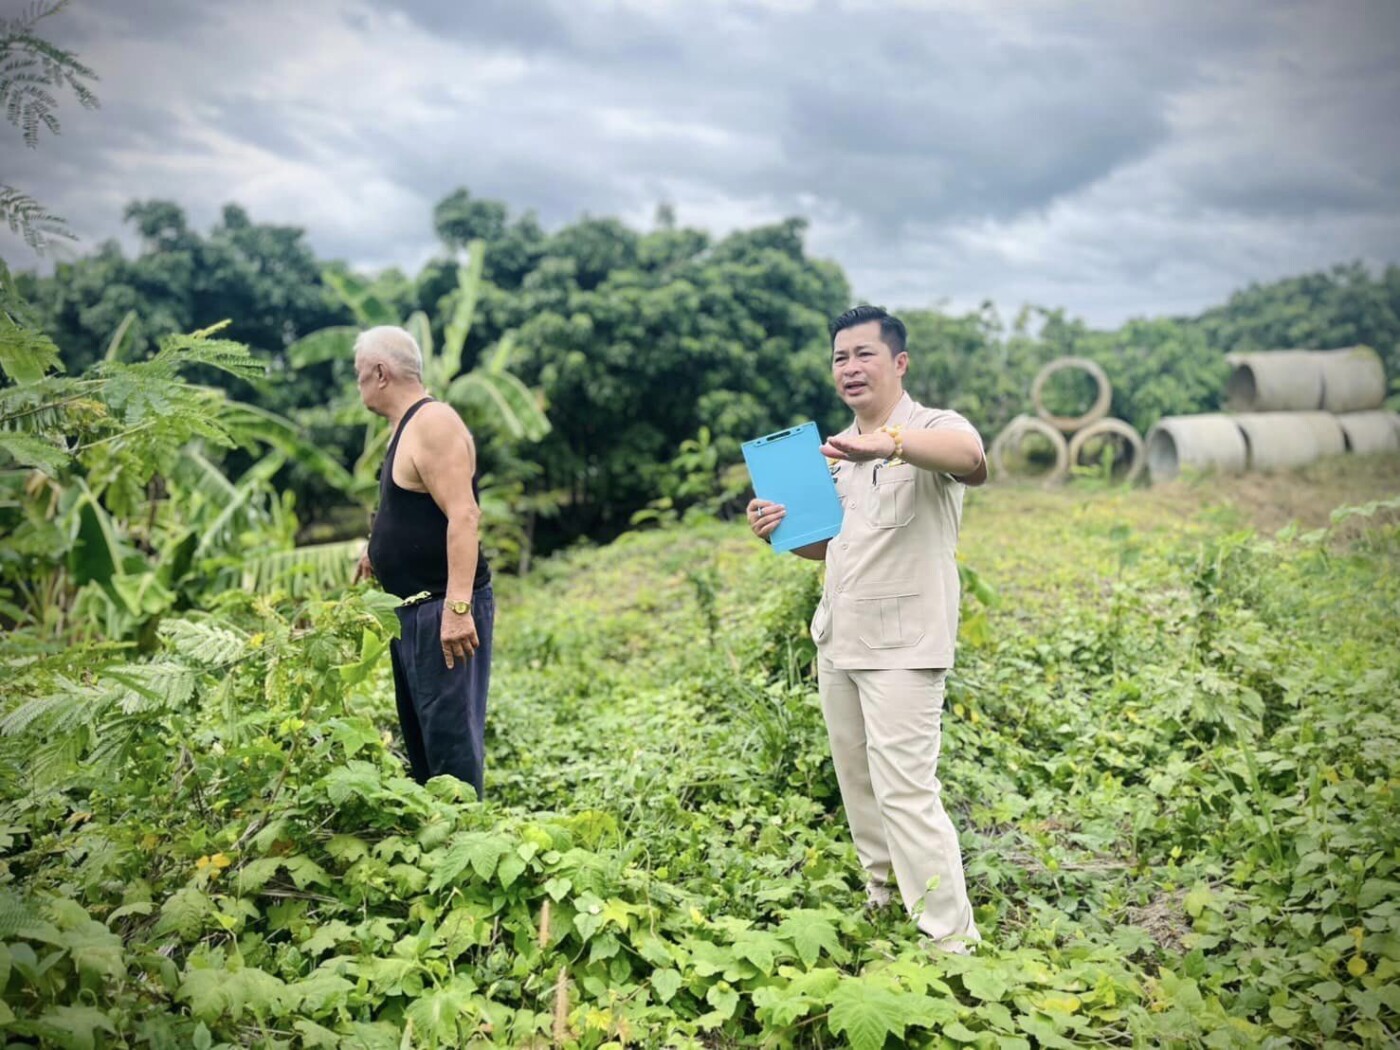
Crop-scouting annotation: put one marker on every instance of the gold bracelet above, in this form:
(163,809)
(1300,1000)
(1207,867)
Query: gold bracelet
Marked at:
(896,432)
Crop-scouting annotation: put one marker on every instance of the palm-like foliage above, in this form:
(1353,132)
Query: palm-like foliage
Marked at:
(32,72)
(491,390)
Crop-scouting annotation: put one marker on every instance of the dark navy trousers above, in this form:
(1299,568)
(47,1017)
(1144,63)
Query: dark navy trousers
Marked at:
(443,713)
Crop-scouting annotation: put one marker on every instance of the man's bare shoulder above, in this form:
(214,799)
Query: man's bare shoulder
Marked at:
(440,425)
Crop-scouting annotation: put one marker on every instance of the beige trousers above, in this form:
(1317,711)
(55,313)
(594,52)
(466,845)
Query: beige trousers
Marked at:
(885,733)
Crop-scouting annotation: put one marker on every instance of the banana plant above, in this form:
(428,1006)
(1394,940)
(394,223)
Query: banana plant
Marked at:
(490,390)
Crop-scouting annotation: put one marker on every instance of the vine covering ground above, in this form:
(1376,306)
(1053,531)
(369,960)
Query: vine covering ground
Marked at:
(1171,746)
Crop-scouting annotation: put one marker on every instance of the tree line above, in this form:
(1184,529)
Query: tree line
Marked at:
(653,353)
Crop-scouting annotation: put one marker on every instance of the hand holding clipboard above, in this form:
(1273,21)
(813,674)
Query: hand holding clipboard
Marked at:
(794,486)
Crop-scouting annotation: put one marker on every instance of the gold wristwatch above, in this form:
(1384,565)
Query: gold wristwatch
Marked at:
(461,608)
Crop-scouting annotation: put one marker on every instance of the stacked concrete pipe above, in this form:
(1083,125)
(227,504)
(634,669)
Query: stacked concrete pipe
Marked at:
(1012,440)
(1338,381)
(1367,432)
(1211,441)
(1288,408)
(1055,428)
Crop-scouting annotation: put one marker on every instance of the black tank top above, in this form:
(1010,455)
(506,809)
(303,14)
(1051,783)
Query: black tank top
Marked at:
(408,543)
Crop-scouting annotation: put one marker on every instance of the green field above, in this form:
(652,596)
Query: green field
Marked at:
(1170,746)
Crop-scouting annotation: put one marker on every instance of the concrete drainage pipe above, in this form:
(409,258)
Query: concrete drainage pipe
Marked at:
(1008,455)
(1274,381)
(1205,442)
(1353,380)
(1122,436)
(1349,380)
(1368,432)
(1069,424)
(1289,439)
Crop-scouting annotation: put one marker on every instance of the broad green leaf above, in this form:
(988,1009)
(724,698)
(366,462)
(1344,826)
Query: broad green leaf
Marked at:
(504,398)
(478,849)
(783,1005)
(1375,891)
(326,344)
(666,983)
(724,999)
(356,778)
(454,336)
(464,928)
(867,1011)
(184,913)
(326,937)
(348,848)
(75,1027)
(446,1014)
(117,344)
(372,650)
(761,948)
(391,976)
(305,872)
(321,992)
(97,554)
(811,932)
(512,866)
(316,1037)
(985,983)
(214,992)
(1046,1031)
(254,875)
(421,329)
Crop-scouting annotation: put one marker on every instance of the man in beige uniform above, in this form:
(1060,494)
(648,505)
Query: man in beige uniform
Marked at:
(888,618)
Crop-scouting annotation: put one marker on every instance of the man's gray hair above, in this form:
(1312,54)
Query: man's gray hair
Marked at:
(396,347)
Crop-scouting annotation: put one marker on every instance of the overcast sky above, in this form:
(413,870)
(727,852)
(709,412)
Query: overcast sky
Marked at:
(1117,158)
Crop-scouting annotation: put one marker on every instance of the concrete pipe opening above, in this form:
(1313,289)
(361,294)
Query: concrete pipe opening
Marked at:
(1112,442)
(1032,449)
(1274,381)
(1098,407)
(1206,442)
(1353,380)
(1369,432)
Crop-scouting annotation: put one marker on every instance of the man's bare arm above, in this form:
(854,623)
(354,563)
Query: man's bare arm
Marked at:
(445,459)
(948,451)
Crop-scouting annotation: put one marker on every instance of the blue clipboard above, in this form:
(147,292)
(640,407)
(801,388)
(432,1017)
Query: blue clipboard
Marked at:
(788,467)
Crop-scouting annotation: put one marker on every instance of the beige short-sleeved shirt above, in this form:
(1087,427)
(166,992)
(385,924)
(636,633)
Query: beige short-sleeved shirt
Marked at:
(890,599)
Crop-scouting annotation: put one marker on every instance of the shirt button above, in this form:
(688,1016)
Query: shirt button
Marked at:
(844,546)
(851,504)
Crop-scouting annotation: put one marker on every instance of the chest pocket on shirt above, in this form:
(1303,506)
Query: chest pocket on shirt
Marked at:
(891,499)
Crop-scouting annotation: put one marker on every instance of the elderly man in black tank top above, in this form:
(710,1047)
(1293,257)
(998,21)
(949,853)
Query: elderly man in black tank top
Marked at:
(425,548)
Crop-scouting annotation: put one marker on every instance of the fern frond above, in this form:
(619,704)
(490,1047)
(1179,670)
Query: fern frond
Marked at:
(55,760)
(203,642)
(320,567)
(155,686)
(67,706)
(197,348)
(26,450)
(30,65)
(15,913)
(30,220)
